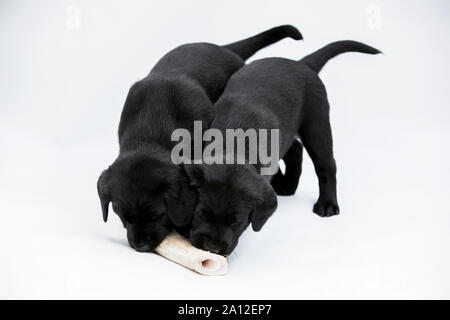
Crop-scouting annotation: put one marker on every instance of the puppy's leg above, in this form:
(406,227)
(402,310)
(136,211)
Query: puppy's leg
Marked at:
(315,133)
(286,185)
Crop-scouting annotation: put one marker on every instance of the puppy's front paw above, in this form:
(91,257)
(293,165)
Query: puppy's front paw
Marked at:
(326,208)
(281,188)
(284,191)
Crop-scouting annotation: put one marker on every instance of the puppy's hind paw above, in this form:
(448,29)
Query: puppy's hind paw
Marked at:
(326,209)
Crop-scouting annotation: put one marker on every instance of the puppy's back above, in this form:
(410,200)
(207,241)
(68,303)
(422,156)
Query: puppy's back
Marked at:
(209,64)
(275,86)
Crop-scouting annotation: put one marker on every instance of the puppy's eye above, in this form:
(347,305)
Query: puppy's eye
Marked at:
(234,222)
(147,218)
(152,217)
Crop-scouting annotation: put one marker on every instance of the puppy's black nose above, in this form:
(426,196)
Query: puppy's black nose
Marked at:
(144,248)
(211,247)
(140,246)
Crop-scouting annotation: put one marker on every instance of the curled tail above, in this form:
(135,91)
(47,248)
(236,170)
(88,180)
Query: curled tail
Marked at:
(318,59)
(248,47)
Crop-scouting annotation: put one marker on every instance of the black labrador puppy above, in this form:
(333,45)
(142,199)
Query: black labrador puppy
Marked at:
(272,93)
(147,190)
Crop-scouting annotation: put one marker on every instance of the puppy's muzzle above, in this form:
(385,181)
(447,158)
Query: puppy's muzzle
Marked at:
(140,246)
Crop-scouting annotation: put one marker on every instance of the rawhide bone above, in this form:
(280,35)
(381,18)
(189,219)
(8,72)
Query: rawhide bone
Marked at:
(177,249)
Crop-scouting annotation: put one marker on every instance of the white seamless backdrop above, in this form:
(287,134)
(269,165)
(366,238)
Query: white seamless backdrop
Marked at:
(65,69)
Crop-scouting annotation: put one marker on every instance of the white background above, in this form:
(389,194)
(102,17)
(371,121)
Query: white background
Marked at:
(63,82)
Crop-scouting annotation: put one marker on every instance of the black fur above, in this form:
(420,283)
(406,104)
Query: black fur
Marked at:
(148,192)
(286,184)
(230,198)
(273,93)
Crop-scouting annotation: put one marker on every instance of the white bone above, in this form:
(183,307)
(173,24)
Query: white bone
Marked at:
(179,250)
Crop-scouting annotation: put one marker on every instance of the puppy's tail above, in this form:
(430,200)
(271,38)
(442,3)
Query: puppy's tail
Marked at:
(318,59)
(248,47)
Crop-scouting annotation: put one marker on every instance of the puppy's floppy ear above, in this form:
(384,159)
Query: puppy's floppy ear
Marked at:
(181,200)
(103,192)
(265,205)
